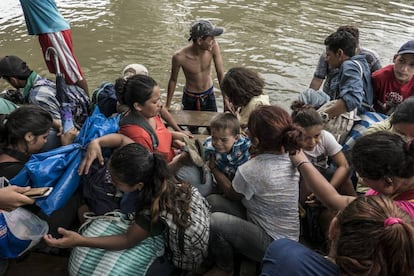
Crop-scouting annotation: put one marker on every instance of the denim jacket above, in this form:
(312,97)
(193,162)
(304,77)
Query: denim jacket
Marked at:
(350,87)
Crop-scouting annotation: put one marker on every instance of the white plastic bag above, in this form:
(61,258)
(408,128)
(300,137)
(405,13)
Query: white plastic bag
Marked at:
(20,231)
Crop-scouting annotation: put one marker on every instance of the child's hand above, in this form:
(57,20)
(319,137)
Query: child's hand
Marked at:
(94,152)
(211,162)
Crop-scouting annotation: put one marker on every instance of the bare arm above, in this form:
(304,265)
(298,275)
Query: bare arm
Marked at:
(322,189)
(218,63)
(175,68)
(11,197)
(223,182)
(132,237)
(342,169)
(337,108)
(94,149)
(170,121)
(316,83)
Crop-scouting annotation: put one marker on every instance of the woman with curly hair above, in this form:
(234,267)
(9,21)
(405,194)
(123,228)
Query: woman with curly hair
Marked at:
(243,87)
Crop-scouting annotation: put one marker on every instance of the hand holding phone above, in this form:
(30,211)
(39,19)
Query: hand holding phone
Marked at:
(38,192)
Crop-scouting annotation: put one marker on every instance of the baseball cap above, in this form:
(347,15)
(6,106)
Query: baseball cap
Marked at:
(134,69)
(407,48)
(12,66)
(202,28)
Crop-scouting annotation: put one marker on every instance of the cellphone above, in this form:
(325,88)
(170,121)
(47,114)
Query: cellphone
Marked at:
(38,192)
(4,182)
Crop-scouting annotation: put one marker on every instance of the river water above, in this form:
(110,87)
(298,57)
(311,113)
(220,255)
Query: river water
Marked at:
(282,40)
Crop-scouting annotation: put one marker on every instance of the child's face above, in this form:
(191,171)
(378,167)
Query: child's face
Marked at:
(222,140)
(404,67)
(312,137)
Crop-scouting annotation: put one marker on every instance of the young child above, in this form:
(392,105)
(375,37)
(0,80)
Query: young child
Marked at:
(321,148)
(225,149)
(161,200)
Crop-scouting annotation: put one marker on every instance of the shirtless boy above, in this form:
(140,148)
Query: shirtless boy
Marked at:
(195,60)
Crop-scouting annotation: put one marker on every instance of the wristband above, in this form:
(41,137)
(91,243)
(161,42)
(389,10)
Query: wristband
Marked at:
(301,163)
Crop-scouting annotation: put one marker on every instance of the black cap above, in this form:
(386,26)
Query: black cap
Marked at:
(202,28)
(407,48)
(12,66)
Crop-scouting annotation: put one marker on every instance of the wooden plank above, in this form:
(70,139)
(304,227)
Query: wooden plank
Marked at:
(193,117)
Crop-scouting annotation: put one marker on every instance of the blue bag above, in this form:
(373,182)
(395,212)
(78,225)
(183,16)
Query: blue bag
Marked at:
(58,168)
(20,230)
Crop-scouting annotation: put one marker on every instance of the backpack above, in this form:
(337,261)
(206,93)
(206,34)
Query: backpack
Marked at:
(188,248)
(104,97)
(97,189)
(76,97)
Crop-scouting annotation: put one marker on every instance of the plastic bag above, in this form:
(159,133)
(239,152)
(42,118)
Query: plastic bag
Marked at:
(58,168)
(20,230)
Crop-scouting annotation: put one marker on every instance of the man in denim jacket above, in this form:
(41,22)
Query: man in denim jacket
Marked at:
(352,86)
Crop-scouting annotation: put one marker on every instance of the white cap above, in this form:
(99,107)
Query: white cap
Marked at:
(134,69)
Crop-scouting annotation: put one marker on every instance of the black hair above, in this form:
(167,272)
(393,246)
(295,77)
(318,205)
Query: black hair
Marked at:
(383,154)
(137,88)
(341,40)
(404,112)
(27,118)
(133,164)
(305,115)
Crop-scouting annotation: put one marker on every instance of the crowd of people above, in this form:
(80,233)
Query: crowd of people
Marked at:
(266,185)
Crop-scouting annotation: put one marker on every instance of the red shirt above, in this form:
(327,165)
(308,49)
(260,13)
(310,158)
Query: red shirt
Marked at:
(141,136)
(384,82)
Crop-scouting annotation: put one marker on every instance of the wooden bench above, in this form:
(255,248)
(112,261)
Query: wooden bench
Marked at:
(193,118)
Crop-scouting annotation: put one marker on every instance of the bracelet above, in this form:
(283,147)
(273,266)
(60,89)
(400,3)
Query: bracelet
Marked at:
(301,163)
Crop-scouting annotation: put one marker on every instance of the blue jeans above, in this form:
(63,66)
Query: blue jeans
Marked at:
(290,258)
(207,102)
(192,175)
(230,234)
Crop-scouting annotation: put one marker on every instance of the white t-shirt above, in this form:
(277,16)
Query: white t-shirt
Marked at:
(327,147)
(269,183)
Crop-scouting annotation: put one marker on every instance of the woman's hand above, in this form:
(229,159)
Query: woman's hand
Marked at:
(12,197)
(68,137)
(69,239)
(94,152)
(298,158)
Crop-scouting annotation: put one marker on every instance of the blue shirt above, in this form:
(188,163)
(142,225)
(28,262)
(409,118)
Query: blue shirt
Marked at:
(43,16)
(229,162)
(348,85)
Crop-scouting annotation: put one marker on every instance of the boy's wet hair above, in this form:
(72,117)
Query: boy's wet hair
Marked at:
(226,120)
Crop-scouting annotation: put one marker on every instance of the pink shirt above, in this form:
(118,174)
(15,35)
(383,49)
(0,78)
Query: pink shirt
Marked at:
(405,200)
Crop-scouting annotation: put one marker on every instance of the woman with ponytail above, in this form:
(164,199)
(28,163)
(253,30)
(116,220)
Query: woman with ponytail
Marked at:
(371,236)
(135,169)
(267,187)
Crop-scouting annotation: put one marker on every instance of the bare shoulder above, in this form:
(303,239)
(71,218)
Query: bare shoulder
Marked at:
(182,52)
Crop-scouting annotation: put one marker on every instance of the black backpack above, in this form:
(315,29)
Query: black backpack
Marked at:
(104,97)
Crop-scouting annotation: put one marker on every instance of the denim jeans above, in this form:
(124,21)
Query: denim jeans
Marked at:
(219,203)
(229,234)
(206,104)
(192,175)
